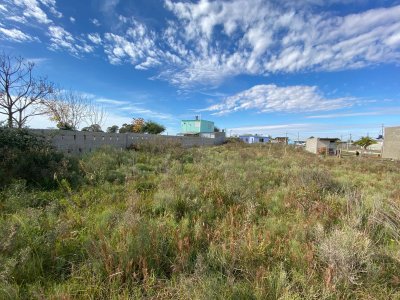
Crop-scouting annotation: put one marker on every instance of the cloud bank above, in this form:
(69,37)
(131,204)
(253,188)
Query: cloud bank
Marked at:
(204,43)
(272,98)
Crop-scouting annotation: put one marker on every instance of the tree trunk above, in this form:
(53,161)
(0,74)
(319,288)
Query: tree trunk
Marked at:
(10,120)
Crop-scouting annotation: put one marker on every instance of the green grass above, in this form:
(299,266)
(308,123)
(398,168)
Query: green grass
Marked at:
(227,222)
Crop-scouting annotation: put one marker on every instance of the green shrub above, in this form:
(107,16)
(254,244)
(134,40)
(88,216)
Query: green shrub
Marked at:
(24,155)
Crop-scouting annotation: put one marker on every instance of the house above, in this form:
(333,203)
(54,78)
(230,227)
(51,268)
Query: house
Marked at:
(378,146)
(280,140)
(322,145)
(196,126)
(299,143)
(252,139)
(391,143)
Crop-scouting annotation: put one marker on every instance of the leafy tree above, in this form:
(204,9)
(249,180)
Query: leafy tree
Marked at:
(365,141)
(216,129)
(64,126)
(113,129)
(152,128)
(138,125)
(125,128)
(93,128)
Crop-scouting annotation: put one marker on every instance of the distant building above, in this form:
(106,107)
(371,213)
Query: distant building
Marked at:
(376,147)
(252,139)
(299,143)
(280,140)
(391,143)
(322,145)
(196,126)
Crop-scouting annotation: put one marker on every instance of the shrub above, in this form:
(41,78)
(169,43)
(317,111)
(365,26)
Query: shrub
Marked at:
(107,164)
(24,155)
(347,255)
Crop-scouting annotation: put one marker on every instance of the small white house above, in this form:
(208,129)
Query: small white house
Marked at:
(322,145)
(376,147)
(252,139)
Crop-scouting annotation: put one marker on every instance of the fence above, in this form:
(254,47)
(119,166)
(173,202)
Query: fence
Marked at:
(79,142)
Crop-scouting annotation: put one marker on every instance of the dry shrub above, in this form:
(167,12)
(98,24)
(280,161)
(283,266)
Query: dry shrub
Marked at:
(347,255)
(389,218)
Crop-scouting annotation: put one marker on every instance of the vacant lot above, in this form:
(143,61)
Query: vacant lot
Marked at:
(228,222)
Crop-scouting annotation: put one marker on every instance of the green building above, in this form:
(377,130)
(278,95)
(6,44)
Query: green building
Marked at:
(196,126)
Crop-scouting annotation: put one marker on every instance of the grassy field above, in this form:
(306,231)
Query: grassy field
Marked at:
(227,222)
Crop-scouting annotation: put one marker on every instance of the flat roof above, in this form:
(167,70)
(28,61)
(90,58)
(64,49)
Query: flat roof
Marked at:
(259,136)
(196,120)
(327,139)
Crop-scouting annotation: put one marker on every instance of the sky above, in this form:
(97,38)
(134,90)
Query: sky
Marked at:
(277,67)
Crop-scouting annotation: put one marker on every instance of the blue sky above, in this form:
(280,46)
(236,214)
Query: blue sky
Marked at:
(313,67)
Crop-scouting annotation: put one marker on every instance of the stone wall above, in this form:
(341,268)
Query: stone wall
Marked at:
(391,143)
(79,142)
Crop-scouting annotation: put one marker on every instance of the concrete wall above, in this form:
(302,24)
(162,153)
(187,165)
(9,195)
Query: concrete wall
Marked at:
(391,143)
(311,145)
(79,142)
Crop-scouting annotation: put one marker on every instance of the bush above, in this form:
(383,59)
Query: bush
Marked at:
(24,155)
(347,253)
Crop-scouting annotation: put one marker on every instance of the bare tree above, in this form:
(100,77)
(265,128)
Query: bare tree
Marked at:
(95,115)
(67,108)
(70,109)
(20,93)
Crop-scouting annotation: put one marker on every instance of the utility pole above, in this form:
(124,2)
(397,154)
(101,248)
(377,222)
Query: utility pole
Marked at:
(341,142)
(349,141)
(383,129)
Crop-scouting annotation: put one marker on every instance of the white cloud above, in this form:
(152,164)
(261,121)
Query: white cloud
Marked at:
(34,9)
(18,19)
(275,130)
(95,22)
(72,19)
(61,39)
(258,37)
(137,46)
(111,101)
(272,98)
(376,112)
(343,115)
(15,35)
(132,109)
(207,41)
(95,38)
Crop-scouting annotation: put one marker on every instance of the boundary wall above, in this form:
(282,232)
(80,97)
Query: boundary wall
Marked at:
(84,141)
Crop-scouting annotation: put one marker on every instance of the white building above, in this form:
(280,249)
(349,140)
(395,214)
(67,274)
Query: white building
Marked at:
(322,145)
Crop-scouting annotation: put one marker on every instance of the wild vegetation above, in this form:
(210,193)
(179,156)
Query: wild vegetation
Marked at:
(228,222)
